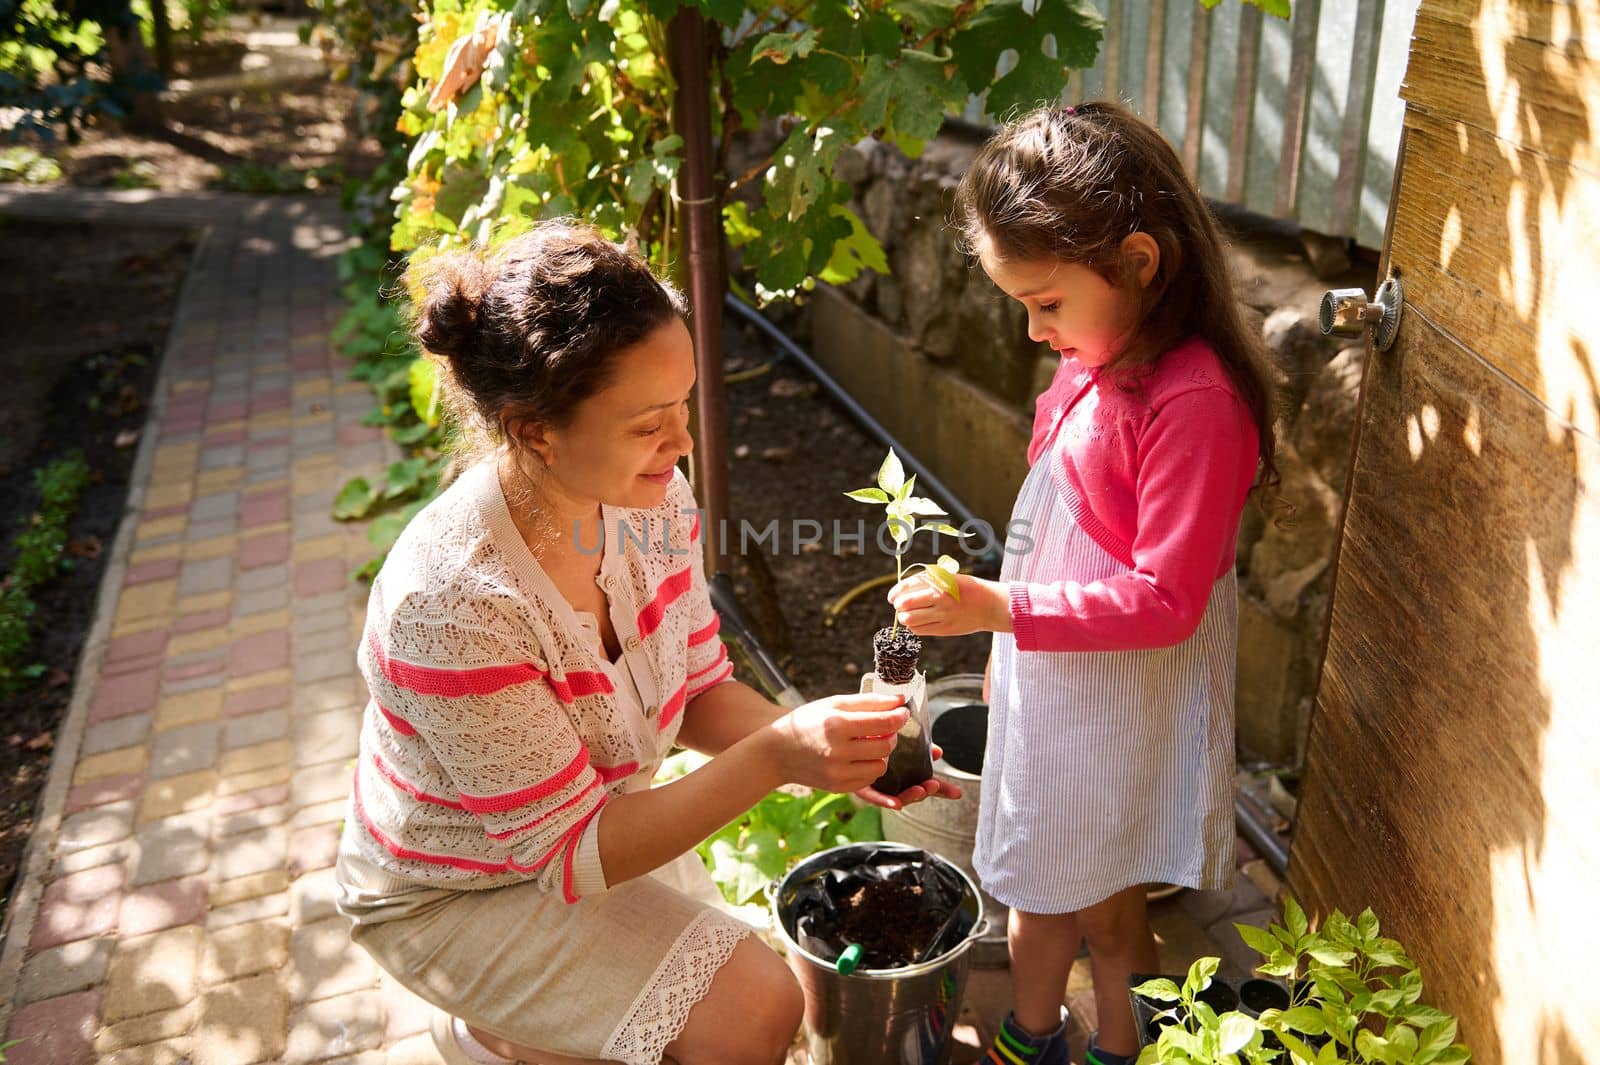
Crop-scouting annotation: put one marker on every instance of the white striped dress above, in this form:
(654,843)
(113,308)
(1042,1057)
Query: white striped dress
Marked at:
(1103,769)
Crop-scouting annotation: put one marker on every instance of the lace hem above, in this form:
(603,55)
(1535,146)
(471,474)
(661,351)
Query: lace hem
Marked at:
(659,1013)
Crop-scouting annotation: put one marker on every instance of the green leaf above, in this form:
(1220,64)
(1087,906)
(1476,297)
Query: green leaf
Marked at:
(1332,955)
(943,580)
(1235,1030)
(385,530)
(1200,974)
(910,96)
(354,499)
(946,530)
(891,475)
(1294,916)
(424,380)
(1456,1055)
(1277,8)
(925,16)
(779,48)
(869,495)
(1159,989)
(1070,29)
(1300,1053)
(1257,939)
(1304,1019)
(852,254)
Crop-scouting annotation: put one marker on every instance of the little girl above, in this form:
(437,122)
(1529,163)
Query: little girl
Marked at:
(1110,754)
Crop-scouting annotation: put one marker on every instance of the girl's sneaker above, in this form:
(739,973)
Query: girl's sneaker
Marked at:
(1013,1046)
(1096,1056)
(457,1046)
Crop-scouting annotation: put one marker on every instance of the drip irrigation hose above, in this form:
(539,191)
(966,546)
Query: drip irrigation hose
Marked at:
(749,375)
(835,608)
(989,560)
(762,664)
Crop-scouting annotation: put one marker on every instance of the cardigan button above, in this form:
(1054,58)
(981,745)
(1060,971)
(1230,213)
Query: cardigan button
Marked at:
(650,711)
(632,643)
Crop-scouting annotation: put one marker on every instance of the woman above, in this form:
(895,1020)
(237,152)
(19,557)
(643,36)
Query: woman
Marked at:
(538,639)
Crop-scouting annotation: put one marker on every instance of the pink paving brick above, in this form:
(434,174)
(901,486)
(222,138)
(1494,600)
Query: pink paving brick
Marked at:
(320,576)
(310,361)
(56,1031)
(250,800)
(274,399)
(78,906)
(352,433)
(159,569)
(227,412)
(222,438)
(180,426)
(313,848)
(165,905)
(205,619)
(186,408)
(268,549)
(254,700)
(131,693)
(136,646)
(274,440)
(264,508)
(258,652)
(103,790)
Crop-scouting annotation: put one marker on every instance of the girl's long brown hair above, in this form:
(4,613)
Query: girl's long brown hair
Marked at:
(1070,183)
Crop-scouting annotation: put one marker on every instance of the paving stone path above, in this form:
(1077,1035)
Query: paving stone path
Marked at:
(176,900)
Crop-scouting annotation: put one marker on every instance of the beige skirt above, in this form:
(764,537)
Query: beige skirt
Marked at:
(612,976)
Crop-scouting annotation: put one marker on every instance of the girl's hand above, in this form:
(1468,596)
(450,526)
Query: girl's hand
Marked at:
(840,743)
(984,606)
(917,793)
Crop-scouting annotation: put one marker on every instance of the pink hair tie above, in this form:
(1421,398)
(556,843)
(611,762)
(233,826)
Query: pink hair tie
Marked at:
(1071,110)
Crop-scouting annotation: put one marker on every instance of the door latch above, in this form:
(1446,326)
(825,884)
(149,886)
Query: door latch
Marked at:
(1346,312)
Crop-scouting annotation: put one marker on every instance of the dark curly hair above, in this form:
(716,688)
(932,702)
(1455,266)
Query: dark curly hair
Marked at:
(528,331)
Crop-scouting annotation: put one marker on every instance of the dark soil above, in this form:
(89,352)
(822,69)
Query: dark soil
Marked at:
(962,732)
(793,454)
(894,654)
(890,922)
(78,377)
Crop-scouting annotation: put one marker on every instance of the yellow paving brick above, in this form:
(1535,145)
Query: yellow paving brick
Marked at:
(267,486)
(133,625)
(212,547)
(257,778)
(321,417)
(330,546)
(312,386)
(186,708)
(191,385)
(275,527)
(242,949)
(315,466)
(147,600)
(170,492)
(200,640)
(278,419)
(255,758)
(154,530)
(162,1024)
(272,619)
(253,886)
(259,680)
(112,763)
(226,427)
(177,1051)
(177,455)
(221,479)
(176,795)
(154,554)
(194,604)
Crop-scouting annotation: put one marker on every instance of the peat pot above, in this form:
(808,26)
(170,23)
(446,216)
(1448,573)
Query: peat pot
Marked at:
(958,719)
(901,1016)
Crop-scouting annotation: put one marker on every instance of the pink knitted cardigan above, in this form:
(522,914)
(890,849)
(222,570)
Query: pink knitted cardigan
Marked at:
(493,739)
(1155,470)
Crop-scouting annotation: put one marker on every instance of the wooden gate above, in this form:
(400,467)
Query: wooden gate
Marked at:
(1453,766)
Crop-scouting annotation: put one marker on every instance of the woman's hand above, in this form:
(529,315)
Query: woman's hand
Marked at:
(926,790)
(984,606)
(840,743)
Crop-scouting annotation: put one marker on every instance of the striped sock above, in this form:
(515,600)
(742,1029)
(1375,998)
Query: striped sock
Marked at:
(1013,1046)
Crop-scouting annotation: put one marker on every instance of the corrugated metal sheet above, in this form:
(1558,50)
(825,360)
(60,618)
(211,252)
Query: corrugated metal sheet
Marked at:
(1294,119)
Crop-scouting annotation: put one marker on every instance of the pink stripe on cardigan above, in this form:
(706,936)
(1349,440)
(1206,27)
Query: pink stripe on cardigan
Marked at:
(450,683)
(655,610)
(510,800)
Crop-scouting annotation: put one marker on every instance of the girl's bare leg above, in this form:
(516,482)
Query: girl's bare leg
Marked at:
(1120,943)
(749,1017)
(1043,947)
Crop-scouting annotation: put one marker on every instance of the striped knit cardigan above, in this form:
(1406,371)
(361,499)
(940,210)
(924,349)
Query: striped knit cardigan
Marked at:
(494,737)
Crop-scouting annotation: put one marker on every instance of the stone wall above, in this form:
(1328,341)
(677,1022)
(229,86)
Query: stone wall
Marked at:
(935,337)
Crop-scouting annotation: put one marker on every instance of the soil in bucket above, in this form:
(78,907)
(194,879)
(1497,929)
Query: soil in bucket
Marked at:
(899,906)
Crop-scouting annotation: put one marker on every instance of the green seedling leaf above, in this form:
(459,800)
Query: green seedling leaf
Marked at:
(1234,1031)
(1295,916)
(1158,990)
(354,499)
(1258,939)
(891,475)
(1200,974)
(943,580)
(869,495)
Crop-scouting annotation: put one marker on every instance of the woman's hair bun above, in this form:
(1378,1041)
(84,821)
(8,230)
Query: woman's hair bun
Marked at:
(447,316)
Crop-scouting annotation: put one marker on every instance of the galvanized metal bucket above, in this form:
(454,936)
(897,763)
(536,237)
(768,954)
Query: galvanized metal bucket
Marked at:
(899,1016)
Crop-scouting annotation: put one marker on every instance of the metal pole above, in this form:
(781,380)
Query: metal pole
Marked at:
(700,203)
